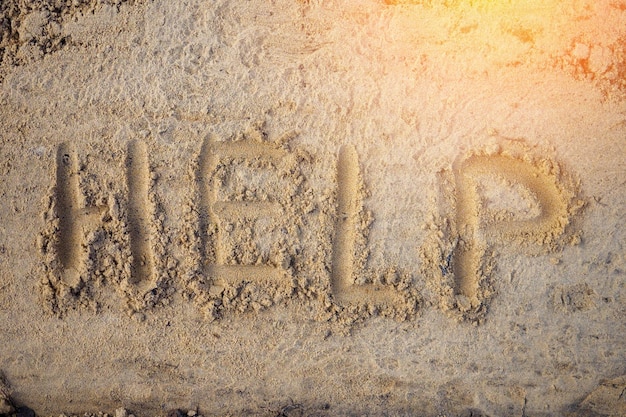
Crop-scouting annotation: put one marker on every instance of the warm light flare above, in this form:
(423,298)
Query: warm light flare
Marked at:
(510,8)
(485,4)
(509,33)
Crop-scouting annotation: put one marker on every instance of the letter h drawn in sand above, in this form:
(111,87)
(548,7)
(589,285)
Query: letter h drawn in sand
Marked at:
(97,238)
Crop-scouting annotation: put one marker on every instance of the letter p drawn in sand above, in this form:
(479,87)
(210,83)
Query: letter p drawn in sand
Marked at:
(477,232)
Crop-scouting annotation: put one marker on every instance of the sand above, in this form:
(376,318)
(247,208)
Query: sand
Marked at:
(313,207)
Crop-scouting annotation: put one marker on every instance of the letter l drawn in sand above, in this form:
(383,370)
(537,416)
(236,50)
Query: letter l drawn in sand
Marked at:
(343,286)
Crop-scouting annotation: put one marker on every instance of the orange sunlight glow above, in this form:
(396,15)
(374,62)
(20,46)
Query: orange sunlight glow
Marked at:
(503,31)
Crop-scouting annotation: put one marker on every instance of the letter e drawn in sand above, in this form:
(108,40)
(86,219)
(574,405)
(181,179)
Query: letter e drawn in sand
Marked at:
(212,210)
(74,219)
(477,232)
(139,215)
(344,289)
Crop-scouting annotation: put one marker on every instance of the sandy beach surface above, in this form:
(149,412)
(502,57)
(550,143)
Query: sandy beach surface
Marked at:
(313,208)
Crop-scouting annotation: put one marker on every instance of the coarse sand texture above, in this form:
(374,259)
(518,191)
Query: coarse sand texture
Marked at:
(313,208)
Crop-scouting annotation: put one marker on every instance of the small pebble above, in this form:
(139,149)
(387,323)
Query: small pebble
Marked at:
(139,318)
(175,413)
(24,412)
(581,51)
(121,412)
(6,407)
